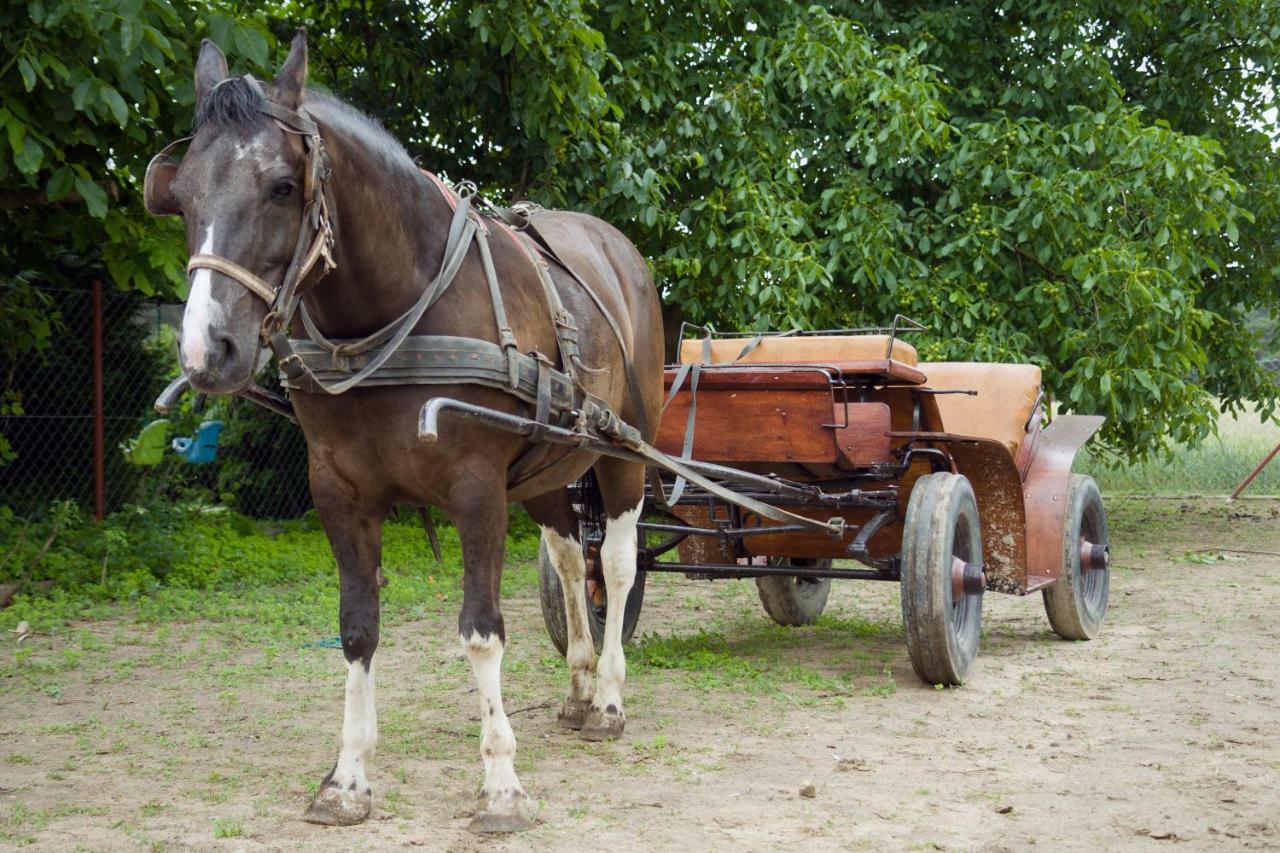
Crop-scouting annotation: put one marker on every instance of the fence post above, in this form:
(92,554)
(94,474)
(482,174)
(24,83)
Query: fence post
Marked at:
(99,473)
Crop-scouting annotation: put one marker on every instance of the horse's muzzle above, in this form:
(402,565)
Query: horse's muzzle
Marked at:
(217,364)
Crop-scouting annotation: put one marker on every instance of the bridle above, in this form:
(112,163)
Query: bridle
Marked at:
(315,234)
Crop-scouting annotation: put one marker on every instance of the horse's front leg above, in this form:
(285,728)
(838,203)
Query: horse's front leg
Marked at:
(482,530)
(355,534)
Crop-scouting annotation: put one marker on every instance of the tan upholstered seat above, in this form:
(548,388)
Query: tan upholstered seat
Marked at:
(801,349)
(1006,395)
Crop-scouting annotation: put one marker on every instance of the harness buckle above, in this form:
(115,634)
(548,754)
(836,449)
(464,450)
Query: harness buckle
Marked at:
(270,325)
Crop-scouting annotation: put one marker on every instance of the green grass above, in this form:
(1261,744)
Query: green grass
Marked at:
(764,659)
(1215,467)
(272,582)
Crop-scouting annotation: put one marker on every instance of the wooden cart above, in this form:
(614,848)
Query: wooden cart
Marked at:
(944,474)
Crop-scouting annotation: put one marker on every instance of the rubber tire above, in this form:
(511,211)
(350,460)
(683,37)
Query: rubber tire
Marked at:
(1077,605)
(942,643)
(552,599)
(792,600)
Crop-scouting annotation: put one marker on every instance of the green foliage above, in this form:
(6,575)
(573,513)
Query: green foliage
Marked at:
(1090,189)
(262,461)
(1089,186)
(1215,467)
(167,559)
(90,87)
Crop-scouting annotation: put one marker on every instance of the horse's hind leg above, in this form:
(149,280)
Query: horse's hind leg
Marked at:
(554,514)
(622,489)
(355,534)
(481,518)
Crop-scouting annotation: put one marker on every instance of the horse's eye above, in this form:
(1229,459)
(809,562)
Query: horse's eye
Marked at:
(283,189)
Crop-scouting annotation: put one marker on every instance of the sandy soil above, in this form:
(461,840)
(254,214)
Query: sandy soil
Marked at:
(1165,732)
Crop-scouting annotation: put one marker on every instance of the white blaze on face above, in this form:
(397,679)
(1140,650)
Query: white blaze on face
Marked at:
(202,313)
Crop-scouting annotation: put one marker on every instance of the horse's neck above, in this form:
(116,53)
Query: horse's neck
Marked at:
(389,233)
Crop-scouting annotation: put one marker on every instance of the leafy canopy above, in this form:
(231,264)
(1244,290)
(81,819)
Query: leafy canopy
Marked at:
(1090,186)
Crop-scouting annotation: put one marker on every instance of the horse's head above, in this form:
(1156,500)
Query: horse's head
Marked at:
(240,191)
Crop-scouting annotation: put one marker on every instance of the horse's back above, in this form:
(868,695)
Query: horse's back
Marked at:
(616,271)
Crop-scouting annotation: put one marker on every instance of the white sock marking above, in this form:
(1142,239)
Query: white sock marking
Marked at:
(618,554)
(497,741)
(571,568)
(359,729)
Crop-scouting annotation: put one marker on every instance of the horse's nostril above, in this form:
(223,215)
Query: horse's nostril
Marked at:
(224,349)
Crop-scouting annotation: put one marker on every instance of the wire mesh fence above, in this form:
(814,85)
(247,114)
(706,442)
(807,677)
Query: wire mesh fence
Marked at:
(216,450)
(232,453)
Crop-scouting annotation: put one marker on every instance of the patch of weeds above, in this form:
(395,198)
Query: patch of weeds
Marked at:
(152,808)
(1210,558)
(18,758)
(771,660)
(227,827)
(884,688)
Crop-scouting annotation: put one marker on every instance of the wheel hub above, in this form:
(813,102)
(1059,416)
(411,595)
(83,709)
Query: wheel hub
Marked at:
(966,578)
(1094,557)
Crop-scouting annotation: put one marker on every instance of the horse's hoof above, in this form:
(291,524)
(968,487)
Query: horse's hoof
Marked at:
(573,713)
(510,811)
(333,806)
(603,725)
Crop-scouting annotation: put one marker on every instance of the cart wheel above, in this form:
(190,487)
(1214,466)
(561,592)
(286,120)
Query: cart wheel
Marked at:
(792,600)
(553,605)
(942,581)
(1077,601)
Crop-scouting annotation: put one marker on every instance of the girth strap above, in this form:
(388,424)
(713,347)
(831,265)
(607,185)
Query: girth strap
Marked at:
(444,360)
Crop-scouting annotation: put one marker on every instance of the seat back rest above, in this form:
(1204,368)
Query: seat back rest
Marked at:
(1007,393)
(800,349)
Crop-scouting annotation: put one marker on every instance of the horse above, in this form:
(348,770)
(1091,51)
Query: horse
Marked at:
(291,193)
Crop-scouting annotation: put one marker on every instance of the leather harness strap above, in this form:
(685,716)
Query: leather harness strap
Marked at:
(230,269)
(392,355)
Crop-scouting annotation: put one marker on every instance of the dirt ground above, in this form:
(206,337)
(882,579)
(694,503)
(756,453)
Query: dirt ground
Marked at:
(1165,732)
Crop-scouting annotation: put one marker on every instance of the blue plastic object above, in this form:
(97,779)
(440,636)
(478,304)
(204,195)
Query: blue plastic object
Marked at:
(202,448)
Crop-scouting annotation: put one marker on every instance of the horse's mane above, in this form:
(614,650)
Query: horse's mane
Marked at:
(231,103)
(234,103)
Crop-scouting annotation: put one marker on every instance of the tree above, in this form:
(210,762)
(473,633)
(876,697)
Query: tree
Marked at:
(1090,187)
(1092,190)
(91,89)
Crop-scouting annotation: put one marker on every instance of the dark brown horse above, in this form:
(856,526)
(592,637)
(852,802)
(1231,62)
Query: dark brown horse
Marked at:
(241,190)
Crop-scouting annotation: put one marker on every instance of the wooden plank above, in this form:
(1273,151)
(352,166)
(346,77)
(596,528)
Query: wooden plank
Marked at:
(804,375)
(754,377)
(752,426)
(866,438)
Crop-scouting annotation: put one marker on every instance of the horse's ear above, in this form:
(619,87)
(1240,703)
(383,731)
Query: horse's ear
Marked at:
(293,74)
(211,69)
(156,194)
